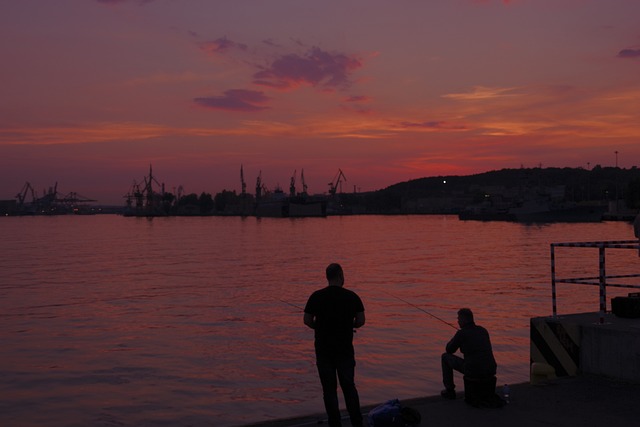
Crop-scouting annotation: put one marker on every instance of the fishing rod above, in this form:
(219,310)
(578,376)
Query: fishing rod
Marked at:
(421,309)
(291,304)
(404,301)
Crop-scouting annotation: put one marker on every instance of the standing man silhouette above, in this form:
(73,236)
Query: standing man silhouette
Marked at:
(333,312)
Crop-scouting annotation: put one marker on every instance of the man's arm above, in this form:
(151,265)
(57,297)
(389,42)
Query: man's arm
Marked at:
(309,320)
(359,319)
(453,345)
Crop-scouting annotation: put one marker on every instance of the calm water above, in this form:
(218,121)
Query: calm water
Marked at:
(113,321)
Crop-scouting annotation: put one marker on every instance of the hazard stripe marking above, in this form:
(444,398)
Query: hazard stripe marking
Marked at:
(565,342)
(548,356)
(557,345)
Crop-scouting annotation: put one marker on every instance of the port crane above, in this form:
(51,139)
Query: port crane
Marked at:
(22,195)
(292,185)
(51,201)
(244,184)
(147,200)
(135,193)
(337,181)
(73,199)
(50,196)
(259,186)
(304,185)
(148,187)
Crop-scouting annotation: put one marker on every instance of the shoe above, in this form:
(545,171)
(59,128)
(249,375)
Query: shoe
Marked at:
(448,394)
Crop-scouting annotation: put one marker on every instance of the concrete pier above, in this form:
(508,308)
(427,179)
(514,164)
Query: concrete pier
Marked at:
(596,362)
(585,400)
(587,343)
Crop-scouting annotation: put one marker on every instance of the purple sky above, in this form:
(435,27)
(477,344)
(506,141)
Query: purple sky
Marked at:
(94,91)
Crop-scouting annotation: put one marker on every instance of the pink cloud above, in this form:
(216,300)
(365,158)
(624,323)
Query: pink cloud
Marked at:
(629,53)
(123,1)
(507,2)
(432,125)
(241,100)
(221,46)
(316,68)
(270,43)
(358,104)
(358,98)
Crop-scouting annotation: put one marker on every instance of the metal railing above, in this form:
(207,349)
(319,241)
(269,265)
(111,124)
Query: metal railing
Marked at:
(601,279)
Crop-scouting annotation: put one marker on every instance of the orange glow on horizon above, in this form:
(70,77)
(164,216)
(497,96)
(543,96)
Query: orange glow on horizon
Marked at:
(279,91)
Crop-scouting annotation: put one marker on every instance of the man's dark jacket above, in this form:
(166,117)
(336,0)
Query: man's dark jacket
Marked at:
(474,343)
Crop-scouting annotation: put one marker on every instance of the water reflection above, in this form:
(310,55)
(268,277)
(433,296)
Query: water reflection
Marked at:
(182,321)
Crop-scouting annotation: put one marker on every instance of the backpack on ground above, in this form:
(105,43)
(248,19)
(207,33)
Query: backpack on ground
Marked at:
(393,414)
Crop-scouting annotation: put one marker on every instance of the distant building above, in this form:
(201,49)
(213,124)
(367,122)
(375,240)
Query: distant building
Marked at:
(8,207)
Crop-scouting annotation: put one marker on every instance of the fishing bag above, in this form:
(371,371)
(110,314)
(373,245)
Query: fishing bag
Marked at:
(393,414)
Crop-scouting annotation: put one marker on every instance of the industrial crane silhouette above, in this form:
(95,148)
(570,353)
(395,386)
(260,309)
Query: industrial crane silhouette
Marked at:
(304,184)
(292,185)
(242,182)
(22,195)
(337,181)
(51,202)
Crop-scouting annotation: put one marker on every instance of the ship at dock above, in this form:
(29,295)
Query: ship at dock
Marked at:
(278,204)
(542,206)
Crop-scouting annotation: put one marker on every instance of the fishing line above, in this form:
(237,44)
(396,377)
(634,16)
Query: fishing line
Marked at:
(291,304)
(394,296)
(421,309)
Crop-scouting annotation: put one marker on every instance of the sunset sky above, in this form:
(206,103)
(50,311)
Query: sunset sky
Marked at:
(94,91)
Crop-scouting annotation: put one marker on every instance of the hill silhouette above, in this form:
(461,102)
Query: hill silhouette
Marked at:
(453,193)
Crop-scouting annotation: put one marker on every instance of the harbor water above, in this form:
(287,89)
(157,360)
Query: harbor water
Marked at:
(114,321)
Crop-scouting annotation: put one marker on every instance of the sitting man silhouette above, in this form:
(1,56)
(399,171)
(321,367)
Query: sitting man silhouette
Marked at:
(474,343)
